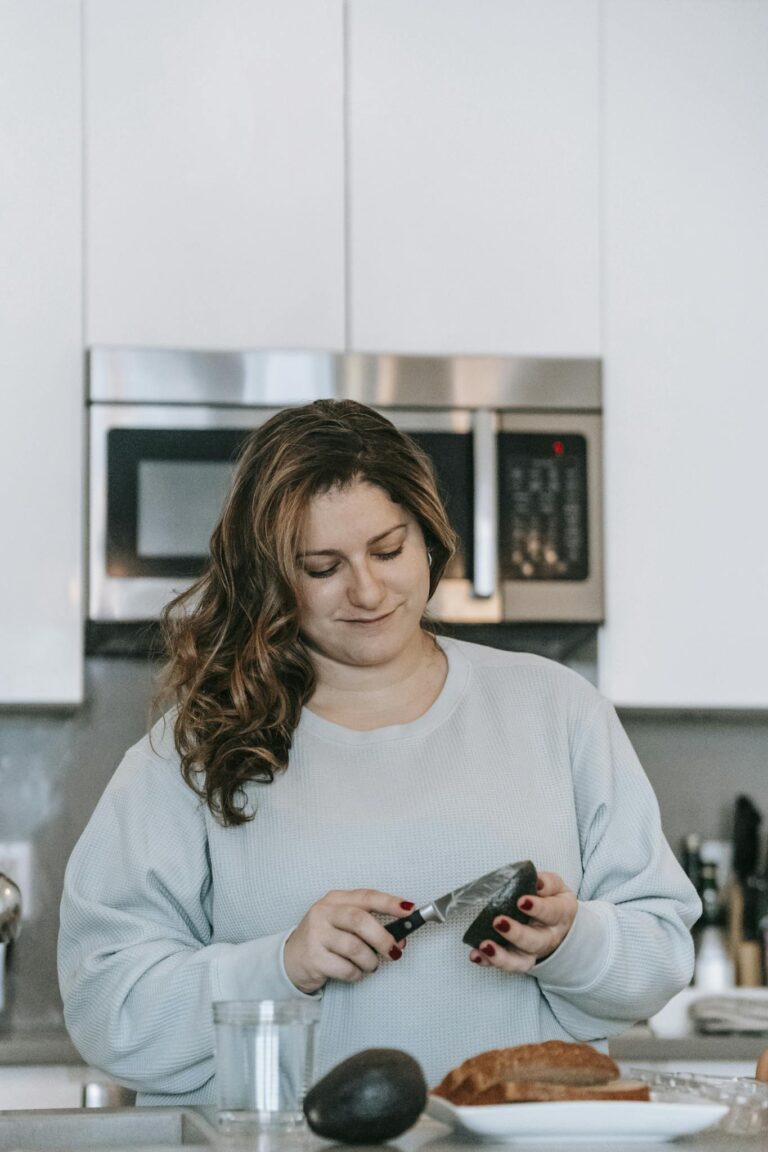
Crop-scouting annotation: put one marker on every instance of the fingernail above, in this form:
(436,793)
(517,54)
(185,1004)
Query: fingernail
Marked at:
(539,884)
(407,905)
(488,949)
(475,959)
(526,904)
(502,925)
(395,953)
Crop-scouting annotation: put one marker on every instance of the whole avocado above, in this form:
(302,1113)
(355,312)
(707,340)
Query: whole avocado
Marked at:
(368,1098)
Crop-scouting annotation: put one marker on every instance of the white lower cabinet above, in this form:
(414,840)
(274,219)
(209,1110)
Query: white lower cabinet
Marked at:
(34,1086)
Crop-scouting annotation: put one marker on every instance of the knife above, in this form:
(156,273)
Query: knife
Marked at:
(467,896)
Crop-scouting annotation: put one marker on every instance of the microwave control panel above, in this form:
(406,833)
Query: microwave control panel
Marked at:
(543,519)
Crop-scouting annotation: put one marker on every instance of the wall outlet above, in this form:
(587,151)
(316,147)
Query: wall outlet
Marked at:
(16,861)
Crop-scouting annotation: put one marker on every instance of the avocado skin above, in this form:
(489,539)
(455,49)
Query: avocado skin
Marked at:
(504,903)
(368,1098)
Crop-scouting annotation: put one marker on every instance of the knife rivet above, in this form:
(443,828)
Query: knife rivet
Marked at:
(409,924)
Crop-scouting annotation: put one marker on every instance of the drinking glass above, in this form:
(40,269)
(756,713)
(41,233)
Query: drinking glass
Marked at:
(264,1057)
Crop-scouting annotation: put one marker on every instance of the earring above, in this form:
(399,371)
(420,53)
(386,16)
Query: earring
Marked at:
(429,557)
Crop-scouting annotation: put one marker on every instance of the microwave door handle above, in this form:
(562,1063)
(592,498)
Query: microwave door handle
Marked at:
(486,503)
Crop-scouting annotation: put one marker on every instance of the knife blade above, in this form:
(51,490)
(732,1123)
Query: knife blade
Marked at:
(459,900)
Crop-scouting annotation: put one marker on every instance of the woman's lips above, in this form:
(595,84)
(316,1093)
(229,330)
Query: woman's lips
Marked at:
(374,620)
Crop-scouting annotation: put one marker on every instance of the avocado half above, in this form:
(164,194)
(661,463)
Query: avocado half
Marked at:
(503,903)
(369,1098)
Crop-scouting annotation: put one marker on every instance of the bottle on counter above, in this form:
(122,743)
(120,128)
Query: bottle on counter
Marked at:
(692,859)
(714,969)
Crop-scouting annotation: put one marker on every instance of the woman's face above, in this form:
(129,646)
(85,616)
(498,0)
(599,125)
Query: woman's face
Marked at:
(364,579)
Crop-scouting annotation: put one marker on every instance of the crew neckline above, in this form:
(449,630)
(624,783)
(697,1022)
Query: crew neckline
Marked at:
(459,669)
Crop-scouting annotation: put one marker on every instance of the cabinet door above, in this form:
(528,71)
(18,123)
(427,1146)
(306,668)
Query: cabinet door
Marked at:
(41,1086)
(473,176)
(41,362)
(214,170)
(686,348)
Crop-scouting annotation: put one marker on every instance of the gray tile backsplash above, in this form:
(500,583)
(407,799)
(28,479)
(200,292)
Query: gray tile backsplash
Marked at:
(54,766)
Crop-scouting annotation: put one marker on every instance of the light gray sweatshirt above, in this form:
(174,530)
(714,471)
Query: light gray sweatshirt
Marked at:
(165,911)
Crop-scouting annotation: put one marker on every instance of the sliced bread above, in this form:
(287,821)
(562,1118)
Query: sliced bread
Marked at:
(527,1091)
(553,1061)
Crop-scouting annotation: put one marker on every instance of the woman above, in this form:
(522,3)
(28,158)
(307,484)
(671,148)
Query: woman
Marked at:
(329,762)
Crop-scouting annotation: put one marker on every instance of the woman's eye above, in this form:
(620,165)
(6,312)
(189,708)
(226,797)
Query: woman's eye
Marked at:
(321,573)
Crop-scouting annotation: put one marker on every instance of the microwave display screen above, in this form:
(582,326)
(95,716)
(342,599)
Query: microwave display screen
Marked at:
(543,529)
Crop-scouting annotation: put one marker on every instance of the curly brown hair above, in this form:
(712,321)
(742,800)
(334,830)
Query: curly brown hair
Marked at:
(238,670)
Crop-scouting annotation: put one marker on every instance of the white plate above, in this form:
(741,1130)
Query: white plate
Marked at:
(577,1120)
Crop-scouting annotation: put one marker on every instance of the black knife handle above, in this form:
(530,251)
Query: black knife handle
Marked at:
(405,925)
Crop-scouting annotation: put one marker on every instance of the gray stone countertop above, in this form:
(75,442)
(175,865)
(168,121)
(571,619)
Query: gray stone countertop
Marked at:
(430,1135)
(639,1046)
(427,1135)
(636,1045)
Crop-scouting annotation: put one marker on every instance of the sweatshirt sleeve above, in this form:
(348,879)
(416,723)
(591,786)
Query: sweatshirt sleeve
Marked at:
(139,967)
(630,948)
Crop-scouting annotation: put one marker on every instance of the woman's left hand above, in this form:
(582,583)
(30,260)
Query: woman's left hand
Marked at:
(552,913)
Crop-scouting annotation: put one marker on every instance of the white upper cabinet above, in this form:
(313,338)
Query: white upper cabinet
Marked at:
(214,173)
(41,359)
(473,176)
(686,349)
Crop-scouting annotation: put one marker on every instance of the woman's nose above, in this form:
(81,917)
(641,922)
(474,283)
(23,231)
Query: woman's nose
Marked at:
(365,590)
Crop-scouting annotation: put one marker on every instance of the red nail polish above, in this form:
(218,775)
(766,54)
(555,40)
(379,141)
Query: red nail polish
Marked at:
(539,884)
(395,953)
(488,949)
(502,925)
(475,959)
(526,904)
(407,905)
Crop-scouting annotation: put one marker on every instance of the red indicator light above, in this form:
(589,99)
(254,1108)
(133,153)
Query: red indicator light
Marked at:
(558,448)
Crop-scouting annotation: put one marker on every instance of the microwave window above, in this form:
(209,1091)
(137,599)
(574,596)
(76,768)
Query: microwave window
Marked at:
(177,506)
(452,459)
(165,489)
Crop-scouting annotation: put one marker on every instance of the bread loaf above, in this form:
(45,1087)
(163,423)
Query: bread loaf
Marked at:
(552,1070)
(553,1061)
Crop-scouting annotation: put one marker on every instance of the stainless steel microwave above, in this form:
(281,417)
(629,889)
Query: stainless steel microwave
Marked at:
(515,443)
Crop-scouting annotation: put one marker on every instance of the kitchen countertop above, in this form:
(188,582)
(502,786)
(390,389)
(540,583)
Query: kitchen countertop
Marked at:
(636,1045)
(427,1135)
(430,1136)
(640,1046)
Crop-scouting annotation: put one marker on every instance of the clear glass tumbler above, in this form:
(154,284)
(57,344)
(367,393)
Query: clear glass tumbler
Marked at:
(264,1057)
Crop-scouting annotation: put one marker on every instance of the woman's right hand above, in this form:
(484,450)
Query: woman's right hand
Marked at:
(339,939)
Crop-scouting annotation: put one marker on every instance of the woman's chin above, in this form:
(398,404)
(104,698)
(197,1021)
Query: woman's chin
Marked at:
(367,651)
